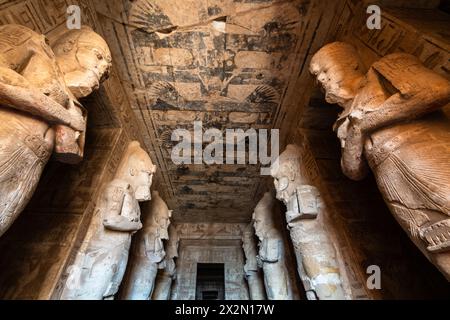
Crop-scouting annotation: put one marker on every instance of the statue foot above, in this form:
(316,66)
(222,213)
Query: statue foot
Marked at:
(437,236)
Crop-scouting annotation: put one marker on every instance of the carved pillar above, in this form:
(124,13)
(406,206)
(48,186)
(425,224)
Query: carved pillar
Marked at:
(163,284)
(252,273)
(316,257)
(148,253)
(102,259)
(272,256)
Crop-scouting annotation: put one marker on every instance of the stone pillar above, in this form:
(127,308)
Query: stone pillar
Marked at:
(148,252)
(316,257)
(252,273)
(163,284)
(272,256)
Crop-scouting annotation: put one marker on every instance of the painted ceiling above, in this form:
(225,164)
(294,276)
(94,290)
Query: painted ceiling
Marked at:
(227,63)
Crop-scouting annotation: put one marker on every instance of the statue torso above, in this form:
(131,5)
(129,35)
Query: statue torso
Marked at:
(101,237)
(433,129)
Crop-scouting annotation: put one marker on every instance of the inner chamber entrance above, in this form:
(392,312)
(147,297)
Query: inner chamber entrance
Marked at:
(210,281)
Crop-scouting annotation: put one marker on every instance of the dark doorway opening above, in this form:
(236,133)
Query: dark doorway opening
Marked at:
(210,281)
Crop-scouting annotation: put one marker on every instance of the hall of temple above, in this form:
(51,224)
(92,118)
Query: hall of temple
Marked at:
(224,149)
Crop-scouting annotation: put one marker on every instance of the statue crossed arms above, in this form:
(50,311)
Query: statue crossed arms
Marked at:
(391,123)
(39,111)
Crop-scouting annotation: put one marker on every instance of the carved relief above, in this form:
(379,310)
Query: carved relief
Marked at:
(210,230)
(102,259)
(389,123)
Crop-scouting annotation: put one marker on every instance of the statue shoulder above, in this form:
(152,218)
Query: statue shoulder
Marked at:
(14,35)
(116,189)
(407,74)
(118,183)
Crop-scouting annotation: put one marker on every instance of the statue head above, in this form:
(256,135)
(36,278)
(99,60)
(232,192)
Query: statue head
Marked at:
(338,70)
(286,173)
(137,169)
(84,58)
(160,215)
(263,216)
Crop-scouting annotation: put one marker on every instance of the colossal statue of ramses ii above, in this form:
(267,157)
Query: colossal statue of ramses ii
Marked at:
(251,269)
(148,254)
(39,111)
(391,123)
(101,262)
(272,256)
(317,263)
(168,274)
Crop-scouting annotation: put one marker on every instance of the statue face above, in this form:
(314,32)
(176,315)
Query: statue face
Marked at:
(96,64)
(331,82)
(142,182)
(163,223)
(337,69)
(84,58)
(282,180)
(259,224)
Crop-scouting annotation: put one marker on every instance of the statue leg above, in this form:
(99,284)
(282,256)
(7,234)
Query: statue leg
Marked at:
(95,274)
(163,285)
(316,260)
(277,281)
(256,286)
(415,183)
(141,281)
(21,166)
(118,271)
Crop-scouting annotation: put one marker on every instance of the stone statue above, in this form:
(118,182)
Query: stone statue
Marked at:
(38,110)
(392,123)
(252,273)
(85,60)
(272,256)
(148,252)
(102,259)
(163,284)
(316,257)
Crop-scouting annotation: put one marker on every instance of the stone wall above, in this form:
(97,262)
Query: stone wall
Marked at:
(214,243)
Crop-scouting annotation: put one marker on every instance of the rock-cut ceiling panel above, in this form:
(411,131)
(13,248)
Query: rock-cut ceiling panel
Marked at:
(225,63)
